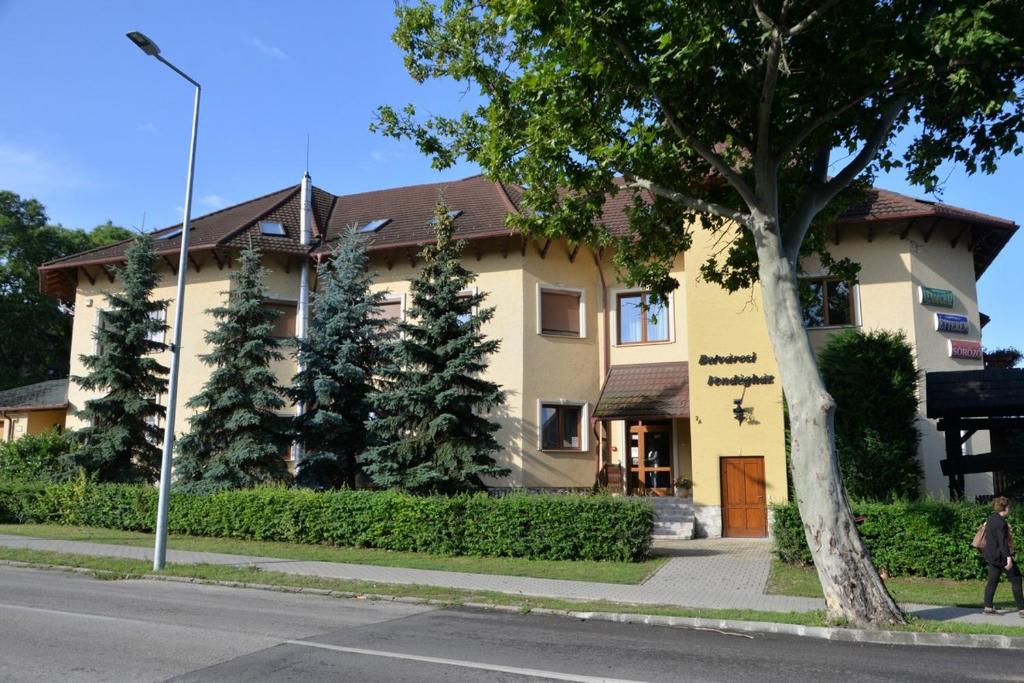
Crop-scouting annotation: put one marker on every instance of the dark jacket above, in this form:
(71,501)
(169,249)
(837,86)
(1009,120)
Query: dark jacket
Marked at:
(997,540)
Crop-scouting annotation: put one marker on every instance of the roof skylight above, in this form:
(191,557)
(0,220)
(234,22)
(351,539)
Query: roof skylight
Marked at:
(273,229)
(169,235)
(453,214)
(374,225)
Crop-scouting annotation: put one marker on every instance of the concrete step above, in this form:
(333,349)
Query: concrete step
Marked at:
(673,519)
(681,534)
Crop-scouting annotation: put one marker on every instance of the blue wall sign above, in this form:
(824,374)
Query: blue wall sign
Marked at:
(949,322)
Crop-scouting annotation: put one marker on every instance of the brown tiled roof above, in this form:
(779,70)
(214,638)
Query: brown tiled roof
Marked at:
(49,395)
(646,390)
(885,205)
(989,234)
(484,204)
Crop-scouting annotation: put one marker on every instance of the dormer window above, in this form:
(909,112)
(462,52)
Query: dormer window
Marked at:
(374,225)
(272,229)
(453,214)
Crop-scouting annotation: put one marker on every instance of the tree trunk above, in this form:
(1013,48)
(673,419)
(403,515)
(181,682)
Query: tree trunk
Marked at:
(852,587)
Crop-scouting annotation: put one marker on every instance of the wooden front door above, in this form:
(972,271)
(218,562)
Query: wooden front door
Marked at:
(650,458)
(744,512)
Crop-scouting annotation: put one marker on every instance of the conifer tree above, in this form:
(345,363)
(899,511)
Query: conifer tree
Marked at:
(122,441)
(236,439)
(430,430)
(339,357)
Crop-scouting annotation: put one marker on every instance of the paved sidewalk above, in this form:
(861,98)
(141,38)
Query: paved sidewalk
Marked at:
(703,573)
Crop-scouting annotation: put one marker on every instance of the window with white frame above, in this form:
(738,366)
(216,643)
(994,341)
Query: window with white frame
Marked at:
(561,312)
(563,426)
(826,302)
(101,324)
(641,319)
(160,315)
(465,294)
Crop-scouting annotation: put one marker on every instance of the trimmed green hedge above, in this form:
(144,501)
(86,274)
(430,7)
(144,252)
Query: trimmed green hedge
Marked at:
(548,527)
(924,538)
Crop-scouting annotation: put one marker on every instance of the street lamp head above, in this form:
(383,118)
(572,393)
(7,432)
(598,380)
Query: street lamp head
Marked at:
(144,43)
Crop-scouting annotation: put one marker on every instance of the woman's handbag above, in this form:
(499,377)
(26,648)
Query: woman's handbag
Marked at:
(979,537)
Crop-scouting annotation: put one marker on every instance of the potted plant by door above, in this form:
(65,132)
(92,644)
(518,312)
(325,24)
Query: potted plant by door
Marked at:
(684,487)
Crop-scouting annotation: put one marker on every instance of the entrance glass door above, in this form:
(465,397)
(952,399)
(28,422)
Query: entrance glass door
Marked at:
(650,451)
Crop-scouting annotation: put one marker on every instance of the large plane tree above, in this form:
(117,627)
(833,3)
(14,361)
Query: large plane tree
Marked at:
(728,115)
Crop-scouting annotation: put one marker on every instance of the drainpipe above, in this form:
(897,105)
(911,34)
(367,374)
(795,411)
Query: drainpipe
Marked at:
(302,309)
(605,353)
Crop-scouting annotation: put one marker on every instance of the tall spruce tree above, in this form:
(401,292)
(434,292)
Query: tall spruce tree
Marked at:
(121,443)
(339,357)
(236,439)
(430,430)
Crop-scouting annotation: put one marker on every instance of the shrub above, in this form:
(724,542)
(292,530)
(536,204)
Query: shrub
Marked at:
(35,457)
(548,527)
(871,376)
(19,502)
(922,538)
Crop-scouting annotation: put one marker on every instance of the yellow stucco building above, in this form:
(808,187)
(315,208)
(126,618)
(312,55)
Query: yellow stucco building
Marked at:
(33,409)
(602,387)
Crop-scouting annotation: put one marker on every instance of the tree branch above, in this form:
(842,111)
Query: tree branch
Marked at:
(762,15)
(803,214)
(687,201)
(764,113)
(707,153)
(867,153)
(817,199)
(825,117)
(811,18)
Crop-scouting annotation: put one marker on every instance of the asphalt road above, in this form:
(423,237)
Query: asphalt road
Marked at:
(65,627)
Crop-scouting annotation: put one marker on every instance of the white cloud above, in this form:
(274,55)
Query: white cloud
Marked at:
(148,127)
(30,172)
(384,156)
(214,201)
(268,50)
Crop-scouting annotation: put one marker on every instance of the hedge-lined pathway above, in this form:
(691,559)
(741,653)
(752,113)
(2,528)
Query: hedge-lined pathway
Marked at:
(705,573)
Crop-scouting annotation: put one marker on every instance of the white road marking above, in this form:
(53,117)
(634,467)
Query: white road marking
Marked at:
(538,673)
(65,613)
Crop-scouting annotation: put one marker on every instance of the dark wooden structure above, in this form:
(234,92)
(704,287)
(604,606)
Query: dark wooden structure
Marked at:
(965,402)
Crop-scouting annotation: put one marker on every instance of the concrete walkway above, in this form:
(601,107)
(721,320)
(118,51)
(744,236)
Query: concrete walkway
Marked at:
(704,573)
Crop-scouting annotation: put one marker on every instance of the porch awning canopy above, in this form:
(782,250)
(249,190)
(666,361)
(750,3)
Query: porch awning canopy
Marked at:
(645,391)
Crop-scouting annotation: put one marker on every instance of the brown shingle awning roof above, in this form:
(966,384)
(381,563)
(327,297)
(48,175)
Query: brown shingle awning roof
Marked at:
(645,391)
(49,395)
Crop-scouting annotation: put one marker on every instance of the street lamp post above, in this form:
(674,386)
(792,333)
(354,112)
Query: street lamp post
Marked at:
(160,551)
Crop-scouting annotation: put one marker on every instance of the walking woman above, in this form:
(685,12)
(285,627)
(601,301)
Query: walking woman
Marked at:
(998,554)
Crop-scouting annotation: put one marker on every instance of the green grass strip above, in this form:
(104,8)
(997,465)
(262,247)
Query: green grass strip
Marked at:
(787,579)
(602,572)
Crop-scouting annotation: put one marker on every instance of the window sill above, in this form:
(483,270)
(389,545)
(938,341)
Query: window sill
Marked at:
(561,335)
(564,450)
(647,343)
(831,327)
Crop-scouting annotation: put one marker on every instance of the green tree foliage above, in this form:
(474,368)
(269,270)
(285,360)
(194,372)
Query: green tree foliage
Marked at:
(430,426)
(727,111)
(121,443)
(339,357)
(236,439)
(871,376)
(35,338)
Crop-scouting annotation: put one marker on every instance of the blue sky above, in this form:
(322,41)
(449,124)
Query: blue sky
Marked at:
(96,130)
